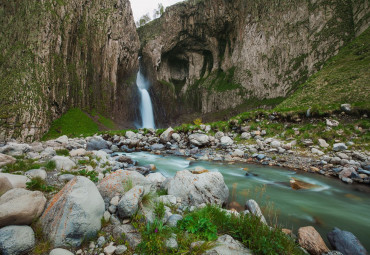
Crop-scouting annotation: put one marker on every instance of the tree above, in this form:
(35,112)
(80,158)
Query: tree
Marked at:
(159,11)
(143,20)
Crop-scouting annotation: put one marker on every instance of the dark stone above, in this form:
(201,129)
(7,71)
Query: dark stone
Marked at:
(345,242)
(261,156)
(97,143)
(157,147)
(125,159)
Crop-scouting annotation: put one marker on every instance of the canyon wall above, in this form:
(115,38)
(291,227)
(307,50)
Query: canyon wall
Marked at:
(59,54)
(204,56)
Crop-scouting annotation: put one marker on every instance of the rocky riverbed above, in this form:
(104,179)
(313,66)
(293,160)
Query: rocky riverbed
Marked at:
(74,190)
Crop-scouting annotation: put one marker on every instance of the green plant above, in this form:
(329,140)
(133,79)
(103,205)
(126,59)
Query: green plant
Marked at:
(43,245)
(159,210)
(50,165)
(39,184)
(154,236)
(62,152)
(127,185)
(22,165)
(148,198)
(199,226)
(92,175)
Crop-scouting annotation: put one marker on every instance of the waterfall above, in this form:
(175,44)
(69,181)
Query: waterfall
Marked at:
(146,107)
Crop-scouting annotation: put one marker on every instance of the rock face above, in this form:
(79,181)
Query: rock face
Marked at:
(345,242)
(195,189)
(311,240)
(75,54)
(198,45)
(74,214)
(16,240)
(21,207)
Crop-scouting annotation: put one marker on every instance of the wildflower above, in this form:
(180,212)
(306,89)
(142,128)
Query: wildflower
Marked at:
(156,230)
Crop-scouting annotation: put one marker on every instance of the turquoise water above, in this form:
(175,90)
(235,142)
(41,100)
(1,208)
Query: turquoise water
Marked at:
(331,204)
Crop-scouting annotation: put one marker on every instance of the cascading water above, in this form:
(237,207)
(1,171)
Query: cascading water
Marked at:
(146,107)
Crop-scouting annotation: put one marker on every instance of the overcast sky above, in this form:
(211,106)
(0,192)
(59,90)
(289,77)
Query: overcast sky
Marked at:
(142,7)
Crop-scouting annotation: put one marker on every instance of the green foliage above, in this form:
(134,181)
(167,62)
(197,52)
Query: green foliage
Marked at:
(148,198)
(74,123)
(50,165)
(22,165)
(127,185)
(154,236)
(200,226)
(92,175)
(159,210)
(39,184)
(62,152)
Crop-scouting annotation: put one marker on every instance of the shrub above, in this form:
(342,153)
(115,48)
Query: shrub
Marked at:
(62,152)
(39,184)
(50,165)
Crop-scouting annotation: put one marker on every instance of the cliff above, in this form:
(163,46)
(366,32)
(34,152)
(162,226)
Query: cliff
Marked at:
(58,54)
(210,55)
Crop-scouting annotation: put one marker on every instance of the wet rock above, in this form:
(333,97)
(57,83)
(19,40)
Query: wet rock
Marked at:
(16,240)
(254,208)
(131,235)
(346,242)
(339,147)
(166,135)
(6,159)
(227,245)
(21,207)
(347,172)
(74,214)
(125,159)
(299,184)
(59,251)
(129,202)
(199,139)
(197,189)
(96,143)
(63,163)
(311,240)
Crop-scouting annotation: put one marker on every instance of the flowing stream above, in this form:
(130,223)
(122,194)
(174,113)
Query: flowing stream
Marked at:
(146,107)
(331,204)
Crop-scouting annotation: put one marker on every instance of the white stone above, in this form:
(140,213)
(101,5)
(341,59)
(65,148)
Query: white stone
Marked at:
(226,141)
(77,152)
(63,163)
(62,139)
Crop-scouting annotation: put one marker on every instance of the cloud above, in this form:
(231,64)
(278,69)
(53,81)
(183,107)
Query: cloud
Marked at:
(142,7)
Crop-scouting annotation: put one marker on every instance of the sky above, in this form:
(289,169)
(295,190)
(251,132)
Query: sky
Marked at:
(142,7)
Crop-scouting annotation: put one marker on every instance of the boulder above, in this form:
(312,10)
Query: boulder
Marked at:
(332,123)
(199,139)
(226,141)
(114,183)
(227,245)
(36,173)
(125,159)
(130,135)
(339,147)
(21,207)
(15,149)
(299,184)
(253,207)
(62,139)
(5,185)
(166,135)
(275,144)
(198,189)
(345,242)
(311,240)
(63,163)
(74,213)
(156,178)
(16,240)
(323,143)
(176,137)
(173,219)
(157,147)
(347,172)
(316,151)
(219,134)
(97,143)
(238,153)
(129,202)
(6,159)
(59,251)
(17,181)
(131,235)
(78,152)
(245,136)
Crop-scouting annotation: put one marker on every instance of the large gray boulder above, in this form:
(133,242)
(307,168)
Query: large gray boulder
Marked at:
(196,189)
(17,181)
(226,141)
(166,135)
(21,207)
(5,185)
(16,240)
(15,149)
(63,163)
(346,242)
(129,202)
(226,245)
(6,159)
(74,214)
(97,143)
(199,139)
(115,183)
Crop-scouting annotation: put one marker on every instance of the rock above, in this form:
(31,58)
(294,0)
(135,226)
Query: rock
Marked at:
(254,208)
(78,152)
(176,137)
(96,143)
(345,107)
(156,178)
(333,253)
(275,144)
(74,213)
(227,245)
(316,151)
(16,240)
(345,242)
(15,149)
(359,156)
(114,183)
(110,249)
(101,241)
(261,156)
(166,135)
(347,172)
(5,185)
(21,207)
(131,235)
(219,134)
(199,170)
(125,159)
(332,123)
(129,203)
(339,147)
(157,147)
(199,139)
(59,251)
(299,184)
(311,240)
(6,159)
(66,177)
(173,219)
(36,173)
(245,136)
(335,160)
(121,249)
(323,143)
(62,139)
(17,181)
(167,199)
(197,189)
(171,243)
(226,141)
(238,153)
(130,135)
(63,163)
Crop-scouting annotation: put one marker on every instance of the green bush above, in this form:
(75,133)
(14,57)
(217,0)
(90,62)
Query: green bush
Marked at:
(62,152)
(39,184)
